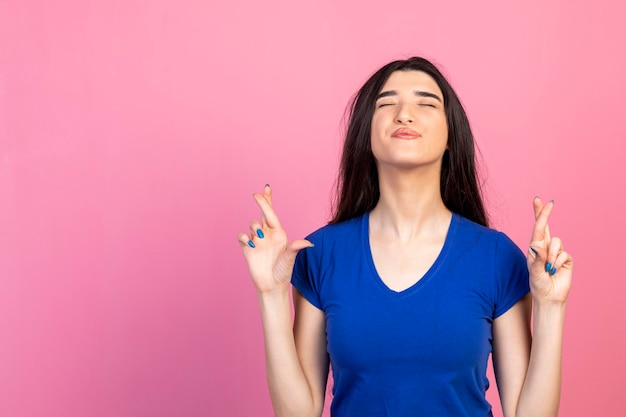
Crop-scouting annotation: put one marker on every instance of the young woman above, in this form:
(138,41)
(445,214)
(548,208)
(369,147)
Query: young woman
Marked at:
(407,291)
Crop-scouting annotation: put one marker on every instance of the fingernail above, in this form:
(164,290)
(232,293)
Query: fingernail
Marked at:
(267,185)
(259,233)
(552,271)
(548,266)
(533,250)
(251,244)
(552,201)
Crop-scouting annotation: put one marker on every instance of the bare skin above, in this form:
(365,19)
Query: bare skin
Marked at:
(296,359)
(405,223)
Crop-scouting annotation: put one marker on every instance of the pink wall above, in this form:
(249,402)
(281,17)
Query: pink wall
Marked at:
(133,132)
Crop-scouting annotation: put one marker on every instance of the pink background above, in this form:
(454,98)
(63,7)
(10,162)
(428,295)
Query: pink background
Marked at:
(133,132)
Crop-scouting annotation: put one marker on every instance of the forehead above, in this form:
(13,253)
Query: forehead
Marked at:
(410,81)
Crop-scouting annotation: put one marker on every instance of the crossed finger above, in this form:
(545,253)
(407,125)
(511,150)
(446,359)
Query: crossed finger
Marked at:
(264,201)
(270,220)
(540,230)
(537,206)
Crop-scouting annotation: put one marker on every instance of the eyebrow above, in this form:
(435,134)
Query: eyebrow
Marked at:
(417,93)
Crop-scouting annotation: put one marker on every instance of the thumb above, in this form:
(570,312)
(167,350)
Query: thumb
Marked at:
(536,259)
(287,261)
(296,246)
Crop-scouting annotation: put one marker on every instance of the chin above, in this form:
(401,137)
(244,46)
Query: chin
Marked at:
(409,164)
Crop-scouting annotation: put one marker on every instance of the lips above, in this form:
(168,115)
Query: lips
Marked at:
(405,133)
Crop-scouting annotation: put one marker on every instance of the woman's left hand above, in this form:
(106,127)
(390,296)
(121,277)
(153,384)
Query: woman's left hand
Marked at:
(550,267)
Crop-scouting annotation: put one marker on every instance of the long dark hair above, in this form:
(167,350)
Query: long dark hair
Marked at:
(357,184)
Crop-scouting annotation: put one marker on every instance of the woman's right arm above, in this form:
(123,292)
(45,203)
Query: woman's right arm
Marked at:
(296,358)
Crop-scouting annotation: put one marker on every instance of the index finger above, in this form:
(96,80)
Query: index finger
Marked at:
(537,206)
(541,223)
(269,216)
(267,193)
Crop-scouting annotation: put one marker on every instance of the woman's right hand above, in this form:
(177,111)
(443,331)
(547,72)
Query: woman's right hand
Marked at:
(269,255)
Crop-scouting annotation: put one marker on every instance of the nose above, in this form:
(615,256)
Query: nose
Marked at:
(404,115)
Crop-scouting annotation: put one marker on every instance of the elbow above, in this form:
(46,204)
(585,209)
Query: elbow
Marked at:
(299,410)
(538,411)
(298,413)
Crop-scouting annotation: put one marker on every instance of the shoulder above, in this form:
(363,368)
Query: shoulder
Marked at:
(484,238)
(333,240)
(338,232)
(330,243)
(500,263)
(468,227)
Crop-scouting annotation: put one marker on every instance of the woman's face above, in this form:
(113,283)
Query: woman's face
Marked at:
(409,127)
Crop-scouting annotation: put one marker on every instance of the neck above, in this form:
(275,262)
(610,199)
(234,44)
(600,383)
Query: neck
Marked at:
(410,204)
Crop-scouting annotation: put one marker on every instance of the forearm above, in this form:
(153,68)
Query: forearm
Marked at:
(541,392)
(289,389)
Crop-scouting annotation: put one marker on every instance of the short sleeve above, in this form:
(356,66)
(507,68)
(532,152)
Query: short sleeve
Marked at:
(305,277)
(511,275)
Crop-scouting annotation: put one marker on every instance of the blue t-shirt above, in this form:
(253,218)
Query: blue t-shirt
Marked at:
(418,352)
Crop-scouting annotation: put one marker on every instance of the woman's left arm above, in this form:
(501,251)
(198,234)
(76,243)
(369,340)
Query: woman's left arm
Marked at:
(528,370)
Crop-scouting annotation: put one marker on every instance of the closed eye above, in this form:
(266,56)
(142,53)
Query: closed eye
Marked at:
(428,105)
(384,104)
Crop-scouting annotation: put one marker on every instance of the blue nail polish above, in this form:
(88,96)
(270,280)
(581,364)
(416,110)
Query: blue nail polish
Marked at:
(552,271)
(251,244)
(548,267)
(533,250)
(259,233)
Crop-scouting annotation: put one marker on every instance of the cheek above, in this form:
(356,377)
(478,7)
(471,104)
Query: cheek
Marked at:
(376,133)
(376,124)
(375,145)
(438,129)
